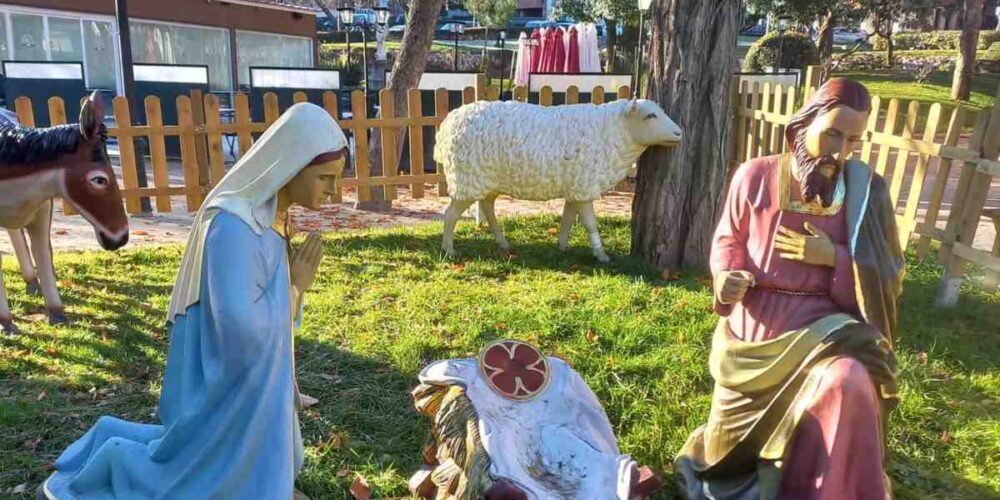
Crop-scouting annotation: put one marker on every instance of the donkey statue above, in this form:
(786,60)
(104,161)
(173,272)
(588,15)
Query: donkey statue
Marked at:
(37,165)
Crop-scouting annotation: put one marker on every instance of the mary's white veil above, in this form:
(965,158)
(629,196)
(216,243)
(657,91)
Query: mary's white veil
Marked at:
(249,190)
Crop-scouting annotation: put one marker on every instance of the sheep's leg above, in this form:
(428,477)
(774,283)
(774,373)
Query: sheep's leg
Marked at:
(6,318)
(487,207)
(568,218)
(41,248)
(451,216)
(478,214)
(589,220)
(24,260)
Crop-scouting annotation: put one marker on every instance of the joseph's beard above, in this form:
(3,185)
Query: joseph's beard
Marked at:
(807,168)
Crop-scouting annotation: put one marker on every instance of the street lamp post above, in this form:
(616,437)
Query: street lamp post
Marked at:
(128,81)
(643,8)
(364,57)
(382,14)
(782,26)
(347,19)
(457,29)
(503,53)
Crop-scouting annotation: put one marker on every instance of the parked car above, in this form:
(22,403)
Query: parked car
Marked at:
(755,30)
(399,28)
(448,29)
(843,35)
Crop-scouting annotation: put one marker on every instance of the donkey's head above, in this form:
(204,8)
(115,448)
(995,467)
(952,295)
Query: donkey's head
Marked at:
(89,182)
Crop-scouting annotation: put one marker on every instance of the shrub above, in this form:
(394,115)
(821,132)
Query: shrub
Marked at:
(797,52)
(934,40)
(914,59)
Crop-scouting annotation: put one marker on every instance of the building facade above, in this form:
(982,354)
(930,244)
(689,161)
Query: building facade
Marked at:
(227,36)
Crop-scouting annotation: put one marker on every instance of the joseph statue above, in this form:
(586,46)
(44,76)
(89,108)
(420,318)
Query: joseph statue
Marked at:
(807,269)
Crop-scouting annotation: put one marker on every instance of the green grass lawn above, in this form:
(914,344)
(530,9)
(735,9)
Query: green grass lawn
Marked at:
(890,84)
(386,304)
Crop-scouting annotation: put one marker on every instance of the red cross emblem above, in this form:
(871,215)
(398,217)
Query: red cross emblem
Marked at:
(514,370)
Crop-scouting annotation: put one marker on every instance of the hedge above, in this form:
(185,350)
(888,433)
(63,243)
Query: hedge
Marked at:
(935,40)
(797,52)
(912,59)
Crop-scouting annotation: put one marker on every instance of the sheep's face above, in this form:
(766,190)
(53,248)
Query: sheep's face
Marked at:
(648,125)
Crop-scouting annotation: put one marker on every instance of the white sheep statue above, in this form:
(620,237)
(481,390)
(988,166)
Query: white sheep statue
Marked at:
(575,152)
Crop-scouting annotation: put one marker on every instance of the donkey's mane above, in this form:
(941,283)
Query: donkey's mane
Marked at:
(20,145)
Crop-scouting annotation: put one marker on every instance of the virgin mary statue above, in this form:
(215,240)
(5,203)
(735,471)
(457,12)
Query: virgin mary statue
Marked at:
(228,426)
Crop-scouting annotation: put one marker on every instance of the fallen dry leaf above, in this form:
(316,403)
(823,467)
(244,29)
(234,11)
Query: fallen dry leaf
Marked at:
(360,489)
(140,232)
(553,231)
(922,358)
(343,473)
(574,297)
(592,337)
(31,444)
(41,396)
(19,489)
(670,275)
(945,437)
(61,232)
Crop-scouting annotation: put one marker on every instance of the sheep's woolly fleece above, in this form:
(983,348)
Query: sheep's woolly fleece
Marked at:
(535,152)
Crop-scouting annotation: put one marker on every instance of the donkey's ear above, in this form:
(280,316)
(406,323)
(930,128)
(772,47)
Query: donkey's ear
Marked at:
(92,116)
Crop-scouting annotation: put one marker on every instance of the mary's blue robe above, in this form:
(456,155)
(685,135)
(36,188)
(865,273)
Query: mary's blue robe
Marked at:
(229,427)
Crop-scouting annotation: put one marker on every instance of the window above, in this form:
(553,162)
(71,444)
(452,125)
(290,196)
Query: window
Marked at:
(261,49)
(65,42)
(100,60)
(162,43)
(39,35)
(29,37)
(4,49)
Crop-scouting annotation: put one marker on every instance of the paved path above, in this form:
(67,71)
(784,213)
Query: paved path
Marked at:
(74,233)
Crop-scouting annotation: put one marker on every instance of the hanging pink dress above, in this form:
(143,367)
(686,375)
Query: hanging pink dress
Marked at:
(524,57)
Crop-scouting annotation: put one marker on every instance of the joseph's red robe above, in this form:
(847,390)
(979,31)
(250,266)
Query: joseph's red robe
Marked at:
(836,447)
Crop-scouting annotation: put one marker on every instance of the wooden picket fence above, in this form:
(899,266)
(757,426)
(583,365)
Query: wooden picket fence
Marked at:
(200,130)
(896,149)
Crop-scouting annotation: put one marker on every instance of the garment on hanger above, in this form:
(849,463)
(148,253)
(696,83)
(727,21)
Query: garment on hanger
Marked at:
(523,66)
(593,50)
(573,51)
(557,63)
(536,51)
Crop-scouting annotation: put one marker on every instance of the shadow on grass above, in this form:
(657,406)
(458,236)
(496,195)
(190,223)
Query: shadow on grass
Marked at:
(364,424)
(945,354)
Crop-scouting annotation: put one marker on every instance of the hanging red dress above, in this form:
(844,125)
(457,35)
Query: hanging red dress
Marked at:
(559,52)
(536,54)
(573,52)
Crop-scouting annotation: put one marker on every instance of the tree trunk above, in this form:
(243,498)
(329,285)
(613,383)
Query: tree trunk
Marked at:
(825,36)
(678,192)
(612,36)
(965,66)
(418,36)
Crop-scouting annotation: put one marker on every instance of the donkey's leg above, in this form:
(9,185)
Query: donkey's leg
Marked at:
(589,220)
(41,248)
(488,207)
(568,218)
(451,216)
(6,318)
(24,260)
